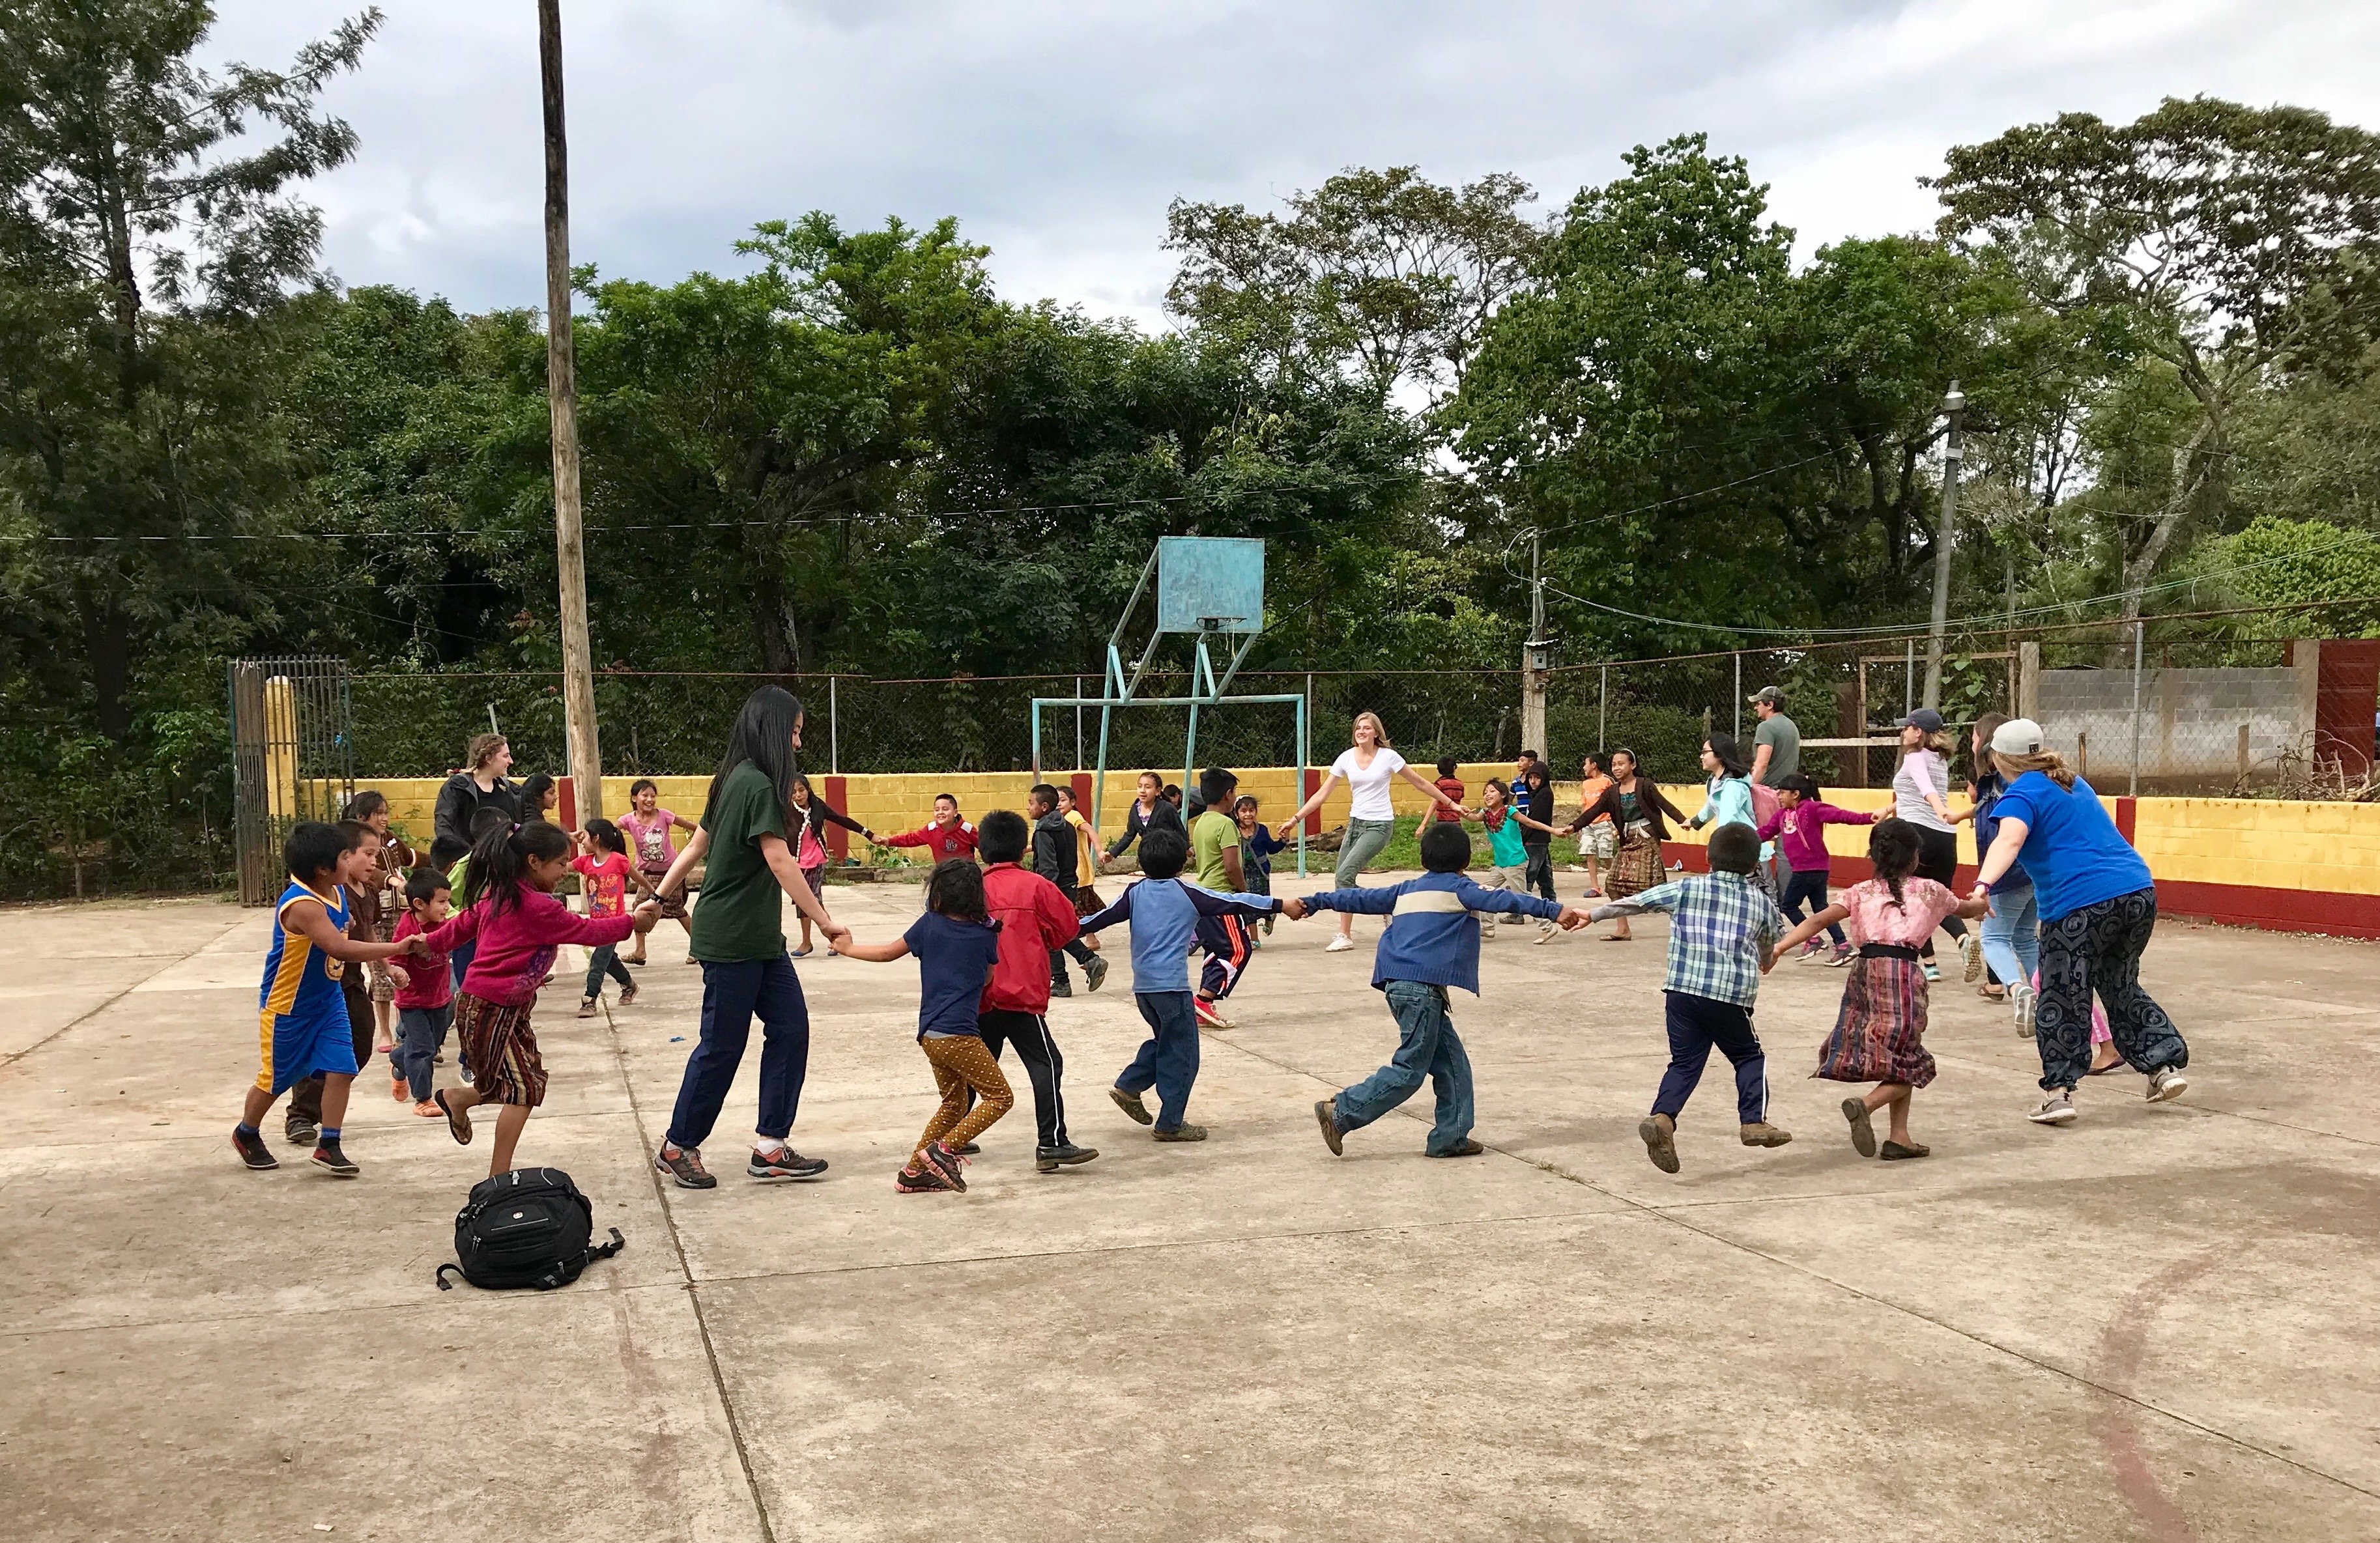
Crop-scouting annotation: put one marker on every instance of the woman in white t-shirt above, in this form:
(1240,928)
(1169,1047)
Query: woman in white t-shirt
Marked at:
(1921,795)
(1367,768)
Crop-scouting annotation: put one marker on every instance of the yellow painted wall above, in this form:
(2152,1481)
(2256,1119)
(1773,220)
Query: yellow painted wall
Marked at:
(2322,846)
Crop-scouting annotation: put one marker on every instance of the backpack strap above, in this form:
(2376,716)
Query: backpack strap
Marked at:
(443,1284)
(605,1250)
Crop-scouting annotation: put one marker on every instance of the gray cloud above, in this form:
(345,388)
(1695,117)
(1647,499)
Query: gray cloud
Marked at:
(1057,132)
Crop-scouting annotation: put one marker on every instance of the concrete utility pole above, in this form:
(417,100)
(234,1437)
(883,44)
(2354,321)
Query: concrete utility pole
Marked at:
(1533,661)
(562,394)
(1955,405)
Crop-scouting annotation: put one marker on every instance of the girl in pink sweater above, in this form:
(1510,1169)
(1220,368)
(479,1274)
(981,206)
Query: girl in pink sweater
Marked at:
(1799,827)
(511,910)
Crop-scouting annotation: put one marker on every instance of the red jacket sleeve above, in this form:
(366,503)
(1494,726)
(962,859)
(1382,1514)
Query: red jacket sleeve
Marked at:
(907,838)
(1059,922)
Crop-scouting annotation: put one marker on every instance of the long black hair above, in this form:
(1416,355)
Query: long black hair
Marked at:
(956,889)
(533,789)
(1731,755)
(763,735)
(1892,851)
(500,861)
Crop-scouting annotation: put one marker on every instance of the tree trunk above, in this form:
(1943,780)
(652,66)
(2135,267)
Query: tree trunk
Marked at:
(107,643)
(2191,464)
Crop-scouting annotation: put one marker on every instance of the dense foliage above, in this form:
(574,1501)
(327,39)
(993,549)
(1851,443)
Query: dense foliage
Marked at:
(844,452)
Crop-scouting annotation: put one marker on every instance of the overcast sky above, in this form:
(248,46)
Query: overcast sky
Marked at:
(1057,132)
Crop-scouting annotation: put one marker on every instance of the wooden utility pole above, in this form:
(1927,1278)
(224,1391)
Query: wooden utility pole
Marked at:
(1534,654)
(1955,405)
(562,394)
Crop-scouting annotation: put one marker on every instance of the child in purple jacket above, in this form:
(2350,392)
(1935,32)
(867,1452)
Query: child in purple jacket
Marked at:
(1799,827)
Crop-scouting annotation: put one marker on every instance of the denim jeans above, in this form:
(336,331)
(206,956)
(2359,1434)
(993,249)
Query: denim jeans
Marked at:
(2012,935)
(419,1032)
(1168,1060)
(603,962)
(1427,1046)
(733,994)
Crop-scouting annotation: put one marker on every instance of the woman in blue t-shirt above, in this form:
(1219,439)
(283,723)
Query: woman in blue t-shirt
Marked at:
(2098,907)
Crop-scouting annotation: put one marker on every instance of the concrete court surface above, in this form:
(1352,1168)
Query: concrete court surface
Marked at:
(2155,1324)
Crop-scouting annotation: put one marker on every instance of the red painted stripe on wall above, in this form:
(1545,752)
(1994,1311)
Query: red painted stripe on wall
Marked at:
(838,841)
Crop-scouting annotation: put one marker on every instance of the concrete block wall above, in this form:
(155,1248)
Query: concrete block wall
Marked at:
(2190,720)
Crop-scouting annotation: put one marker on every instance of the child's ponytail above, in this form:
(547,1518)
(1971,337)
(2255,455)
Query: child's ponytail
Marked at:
(1893,851)
(500,861)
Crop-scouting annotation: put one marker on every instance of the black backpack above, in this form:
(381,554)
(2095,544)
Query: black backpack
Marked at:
(530,1227)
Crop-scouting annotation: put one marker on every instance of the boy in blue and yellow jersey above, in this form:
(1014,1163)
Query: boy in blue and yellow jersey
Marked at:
(302,1014)
(1431,947)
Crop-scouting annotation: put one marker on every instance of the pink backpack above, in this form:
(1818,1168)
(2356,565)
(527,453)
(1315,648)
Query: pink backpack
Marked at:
(1764,803)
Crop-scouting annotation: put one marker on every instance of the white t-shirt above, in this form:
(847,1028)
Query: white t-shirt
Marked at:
(1370,787)
(1921,770)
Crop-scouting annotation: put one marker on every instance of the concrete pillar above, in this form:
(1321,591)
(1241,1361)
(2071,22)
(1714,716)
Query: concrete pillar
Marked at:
(2305,658)
(2028,680)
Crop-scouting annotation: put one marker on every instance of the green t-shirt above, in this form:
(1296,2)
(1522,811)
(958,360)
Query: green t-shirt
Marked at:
(738,916)
(1504,846)
(1213,834)
(1783,737)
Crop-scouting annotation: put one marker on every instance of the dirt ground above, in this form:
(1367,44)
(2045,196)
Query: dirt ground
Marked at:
(2156,1323)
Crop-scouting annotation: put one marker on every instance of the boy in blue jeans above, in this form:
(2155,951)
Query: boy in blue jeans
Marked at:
(1164,912)
(1432,945)
(1722,925)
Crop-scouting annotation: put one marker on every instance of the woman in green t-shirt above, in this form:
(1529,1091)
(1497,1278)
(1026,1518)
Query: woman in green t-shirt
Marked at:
(740,940)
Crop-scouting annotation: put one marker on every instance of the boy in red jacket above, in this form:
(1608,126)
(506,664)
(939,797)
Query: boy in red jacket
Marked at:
(943,836)
(1034,918)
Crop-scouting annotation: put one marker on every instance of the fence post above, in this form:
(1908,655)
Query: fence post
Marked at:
(1603,711)
(1078,723)
(2140,631)
(834,725)
(1739,695)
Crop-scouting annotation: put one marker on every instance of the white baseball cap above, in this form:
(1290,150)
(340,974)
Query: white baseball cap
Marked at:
(2018,736)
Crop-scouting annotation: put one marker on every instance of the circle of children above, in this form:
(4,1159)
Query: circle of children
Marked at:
(465,939)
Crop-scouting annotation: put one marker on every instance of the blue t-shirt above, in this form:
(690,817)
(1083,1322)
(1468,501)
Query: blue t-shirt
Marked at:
(2072,850)
(953,958)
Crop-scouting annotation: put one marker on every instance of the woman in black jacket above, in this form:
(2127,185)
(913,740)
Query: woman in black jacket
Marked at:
(1636,807)
(480,784)
(1151,811)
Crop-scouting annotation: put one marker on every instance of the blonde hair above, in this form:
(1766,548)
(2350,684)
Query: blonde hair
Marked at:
(481,749)
(1939,742)
(1380,729)
(2046,762)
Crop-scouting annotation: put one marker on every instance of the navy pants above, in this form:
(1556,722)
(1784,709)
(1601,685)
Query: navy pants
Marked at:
(1169,1057)
(1696,1023)
(1080,949)
(1225,938)
(732,994)
(1808,885)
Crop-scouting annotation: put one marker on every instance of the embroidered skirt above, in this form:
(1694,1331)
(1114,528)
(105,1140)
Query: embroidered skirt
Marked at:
(1636,865)
(1880,1032)
(502,1050)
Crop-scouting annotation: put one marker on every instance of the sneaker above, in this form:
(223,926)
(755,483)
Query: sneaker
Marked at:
(1844,953)
(1095,973)
(331,1159)
(1970,949)
(1131,1104)
(252,1150)
(469,1080)
(1326,1115)
(302,1133)
(1049,1160)
(627,993)
(784,1163)
(968,1149)
(1760,1133)
(1339,944)
(1856,1112)
(1661,1142)
(1486,931)
(2166,1082)
(587,1007)
(1464,1148)
(918,1179)
(1185,1132)
(949,1164)
(1211,1014)
(2024,1003)
(1933,970)
(685,1166)
(1547,933)
(1809,951)
(1062,988)
(2056,1109)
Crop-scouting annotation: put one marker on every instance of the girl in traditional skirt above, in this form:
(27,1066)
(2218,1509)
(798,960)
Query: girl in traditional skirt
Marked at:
(1880,1034)
(1636,808)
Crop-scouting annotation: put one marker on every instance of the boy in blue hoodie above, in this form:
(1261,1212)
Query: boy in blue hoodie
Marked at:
(1432,945)
(1164,912)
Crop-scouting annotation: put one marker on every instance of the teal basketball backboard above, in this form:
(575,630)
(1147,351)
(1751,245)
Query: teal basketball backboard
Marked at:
(1201,578)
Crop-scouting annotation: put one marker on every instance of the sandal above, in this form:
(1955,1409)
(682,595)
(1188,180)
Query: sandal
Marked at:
(458,1125)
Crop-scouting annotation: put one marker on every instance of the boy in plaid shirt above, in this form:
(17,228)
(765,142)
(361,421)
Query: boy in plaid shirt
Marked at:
(1722,927)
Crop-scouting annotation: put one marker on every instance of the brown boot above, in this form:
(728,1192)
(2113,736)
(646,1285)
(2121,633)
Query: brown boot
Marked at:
(1760,1133)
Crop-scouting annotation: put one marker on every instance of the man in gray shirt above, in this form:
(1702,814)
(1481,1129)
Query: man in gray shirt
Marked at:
(1777,743)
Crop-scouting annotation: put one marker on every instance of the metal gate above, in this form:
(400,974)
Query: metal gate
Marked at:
(293,759)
